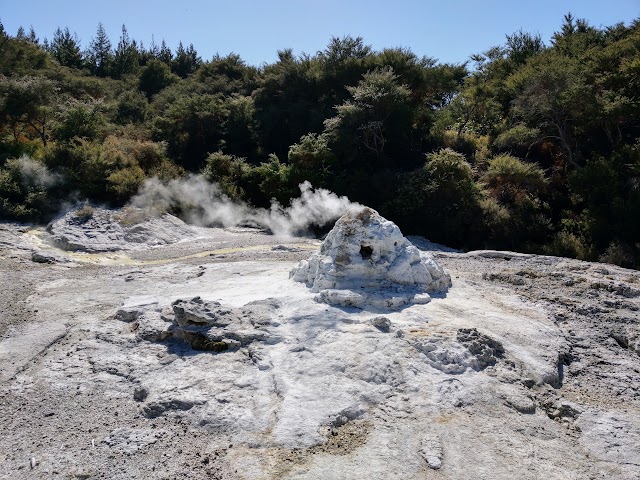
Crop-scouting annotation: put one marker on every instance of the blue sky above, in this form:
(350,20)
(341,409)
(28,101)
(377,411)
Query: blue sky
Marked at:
(447,30)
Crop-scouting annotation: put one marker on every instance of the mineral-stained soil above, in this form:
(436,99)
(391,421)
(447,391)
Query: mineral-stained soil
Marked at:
(202,359)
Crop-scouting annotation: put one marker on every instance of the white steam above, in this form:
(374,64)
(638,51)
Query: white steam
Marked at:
(203,203)
(34,173)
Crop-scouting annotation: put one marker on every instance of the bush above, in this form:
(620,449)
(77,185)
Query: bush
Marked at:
(566,244)
(86,165)
(311,159)
(229,172)
(155,77)
(150,156)
(84,213)
(25,189)
(510,179)
(274,180)
(16,148)
(192,126)
(470,144)
(113,170)
(125,182)
(620,254)
(131,107)
(609,190)
(79,120)
(517,139)
(440,200)
(496,222)
(518,187)
(240,127)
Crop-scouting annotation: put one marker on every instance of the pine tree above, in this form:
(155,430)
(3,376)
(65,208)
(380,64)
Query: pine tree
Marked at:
(154,50)
(186,61)
(20,34)
(32,38)
(100,53)
(165,55)
(126,55)
(66,48)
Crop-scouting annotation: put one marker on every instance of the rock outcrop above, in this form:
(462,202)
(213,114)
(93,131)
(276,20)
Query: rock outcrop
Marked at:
(365,260)
(101,230)
(202,325)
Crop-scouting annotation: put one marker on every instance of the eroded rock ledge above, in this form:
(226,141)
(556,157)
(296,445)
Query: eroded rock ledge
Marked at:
(90,229)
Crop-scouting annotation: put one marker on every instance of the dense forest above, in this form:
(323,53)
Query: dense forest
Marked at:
(527,146)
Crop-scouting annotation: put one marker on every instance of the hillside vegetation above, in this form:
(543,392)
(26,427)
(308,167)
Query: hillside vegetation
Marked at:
(527,146)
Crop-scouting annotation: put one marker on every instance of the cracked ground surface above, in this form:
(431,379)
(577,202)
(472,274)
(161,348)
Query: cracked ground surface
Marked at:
(528,367)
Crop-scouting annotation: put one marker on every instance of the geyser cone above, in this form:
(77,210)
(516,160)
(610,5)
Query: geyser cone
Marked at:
(367,255)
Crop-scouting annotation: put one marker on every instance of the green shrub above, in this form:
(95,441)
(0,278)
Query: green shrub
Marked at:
(132,107)
(312,159)
(79,120)
(440,200)
(110,171)
(229,172)
(567,244)
(25,190)
(275,181)
(509,179)
(150,156)
(519,188)
(620,254)
(472,145)
(155,77)
(517,139)
(496,221)
(125,182)
(15,148)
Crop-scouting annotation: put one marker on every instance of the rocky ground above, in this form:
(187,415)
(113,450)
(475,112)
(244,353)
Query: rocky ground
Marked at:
(202,359)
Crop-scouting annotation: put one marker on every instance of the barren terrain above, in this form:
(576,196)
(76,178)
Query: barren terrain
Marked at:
(527,367)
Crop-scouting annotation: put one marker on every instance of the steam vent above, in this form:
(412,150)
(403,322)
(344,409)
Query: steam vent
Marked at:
(365,261)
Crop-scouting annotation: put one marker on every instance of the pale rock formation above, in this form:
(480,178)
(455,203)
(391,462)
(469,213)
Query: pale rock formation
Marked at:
(203,325)
(365,260)
(101,230)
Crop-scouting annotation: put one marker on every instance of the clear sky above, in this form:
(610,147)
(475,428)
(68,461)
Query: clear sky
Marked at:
(448,30)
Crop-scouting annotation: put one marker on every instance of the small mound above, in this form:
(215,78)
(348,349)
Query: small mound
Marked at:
(365,259)
(90,229)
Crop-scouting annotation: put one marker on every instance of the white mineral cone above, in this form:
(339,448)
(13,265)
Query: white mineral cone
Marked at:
(366,253)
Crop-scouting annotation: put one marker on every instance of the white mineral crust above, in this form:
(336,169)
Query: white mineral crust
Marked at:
(365,259)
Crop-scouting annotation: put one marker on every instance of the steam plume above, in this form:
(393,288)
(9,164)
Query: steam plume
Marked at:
(34,173)
(203,203)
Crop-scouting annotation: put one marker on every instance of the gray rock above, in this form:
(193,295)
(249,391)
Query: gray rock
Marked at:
(128,314)
(101,230)
(130,440)
(157,407)
(47,257)
(202,313)
(431,451)
(140,394)
(364,260)
(611,436)
(381,323)
(484,348)
(152,328)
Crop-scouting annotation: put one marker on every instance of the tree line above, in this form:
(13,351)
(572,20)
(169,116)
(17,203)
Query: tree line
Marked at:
(526,146)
